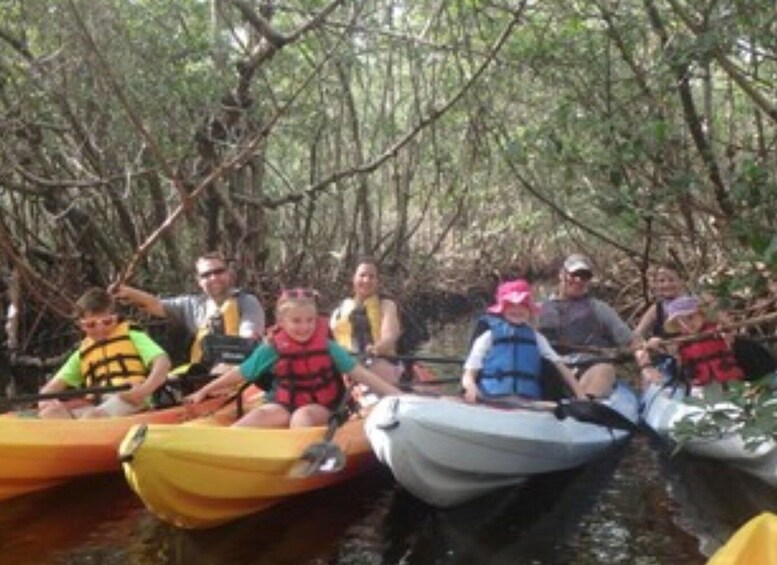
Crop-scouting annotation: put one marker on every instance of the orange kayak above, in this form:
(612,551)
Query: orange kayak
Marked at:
(36,454)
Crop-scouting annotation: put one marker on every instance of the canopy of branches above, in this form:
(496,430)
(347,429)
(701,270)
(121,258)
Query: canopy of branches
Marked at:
(440,136)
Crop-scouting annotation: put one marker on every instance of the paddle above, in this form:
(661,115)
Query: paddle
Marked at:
(593,412)
(421,358)
(6,403)
(410,386)
(324,456)
(588,411)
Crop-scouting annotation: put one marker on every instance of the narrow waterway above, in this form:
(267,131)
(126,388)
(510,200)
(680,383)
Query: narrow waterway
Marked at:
(635,505)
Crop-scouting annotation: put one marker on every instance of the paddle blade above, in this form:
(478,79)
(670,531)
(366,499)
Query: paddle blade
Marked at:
(755,359)
(593,412)
(321,457)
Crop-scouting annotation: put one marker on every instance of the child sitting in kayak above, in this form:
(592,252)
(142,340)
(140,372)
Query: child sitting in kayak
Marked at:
(112,353)
(506,359)
(704,360)
(300,365)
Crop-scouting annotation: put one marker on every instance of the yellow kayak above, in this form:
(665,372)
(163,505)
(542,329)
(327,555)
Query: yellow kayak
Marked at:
(36,454)
(754,543)
(205,473)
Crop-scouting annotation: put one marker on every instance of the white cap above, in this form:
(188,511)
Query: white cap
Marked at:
(577,262)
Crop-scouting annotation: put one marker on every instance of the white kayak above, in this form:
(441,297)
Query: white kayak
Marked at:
(664,406)
(446,452)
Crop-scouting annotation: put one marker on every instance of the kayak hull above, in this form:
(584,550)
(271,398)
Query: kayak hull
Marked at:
(37,454)
(447,452)
(203,474)
(755,542)
(663,407)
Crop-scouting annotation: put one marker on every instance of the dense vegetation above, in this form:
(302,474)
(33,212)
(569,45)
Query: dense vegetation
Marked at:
(451,139)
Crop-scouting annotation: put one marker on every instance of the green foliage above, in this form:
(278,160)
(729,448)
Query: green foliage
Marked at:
(746,409)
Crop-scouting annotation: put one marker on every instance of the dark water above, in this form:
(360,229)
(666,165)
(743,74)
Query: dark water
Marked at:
(634,506)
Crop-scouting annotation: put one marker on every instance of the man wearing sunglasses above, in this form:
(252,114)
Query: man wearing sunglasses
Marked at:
(220,309)
(578,325)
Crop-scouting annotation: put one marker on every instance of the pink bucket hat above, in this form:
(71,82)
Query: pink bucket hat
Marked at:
(513,292)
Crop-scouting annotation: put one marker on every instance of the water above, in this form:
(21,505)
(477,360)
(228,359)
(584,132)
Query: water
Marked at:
(634,506)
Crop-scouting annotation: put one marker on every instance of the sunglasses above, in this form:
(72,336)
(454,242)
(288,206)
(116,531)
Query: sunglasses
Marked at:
(92,324)
(581,275)
(212,273)
(299,293)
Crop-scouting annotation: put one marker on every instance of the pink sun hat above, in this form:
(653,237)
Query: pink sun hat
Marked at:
(513,292)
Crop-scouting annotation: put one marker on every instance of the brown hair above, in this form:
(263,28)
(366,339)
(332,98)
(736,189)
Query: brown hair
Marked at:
(213,256)
(94,300)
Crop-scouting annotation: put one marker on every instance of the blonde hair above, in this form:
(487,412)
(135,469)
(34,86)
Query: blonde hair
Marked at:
(294,298)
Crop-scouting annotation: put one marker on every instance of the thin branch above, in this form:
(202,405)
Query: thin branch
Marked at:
(423,123)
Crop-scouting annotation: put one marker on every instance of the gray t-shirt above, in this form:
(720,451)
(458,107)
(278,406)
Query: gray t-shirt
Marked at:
(193,310)
(583,321)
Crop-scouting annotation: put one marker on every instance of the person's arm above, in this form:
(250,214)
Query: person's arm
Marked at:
(373,381)
(469,384)
(140,298)
(54,385)
(643,329)
(570,379)
(389,329)
(347,365)
(157,375)
(620,332)
(646,369)
(474,363)
(547,352)
(260,362)
(252,319)
(227,380)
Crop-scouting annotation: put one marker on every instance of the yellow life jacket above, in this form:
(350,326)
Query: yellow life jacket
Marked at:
(113,361)
(348,334)
(226,321)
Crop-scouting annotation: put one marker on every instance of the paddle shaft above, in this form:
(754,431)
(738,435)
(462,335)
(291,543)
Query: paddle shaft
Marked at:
(723,328)
(316,455)
(65,394)
(617,358)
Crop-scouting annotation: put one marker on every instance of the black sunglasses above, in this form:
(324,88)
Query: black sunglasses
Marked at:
(582,275)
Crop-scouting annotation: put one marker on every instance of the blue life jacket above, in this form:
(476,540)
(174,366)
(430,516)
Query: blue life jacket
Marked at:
(513,364)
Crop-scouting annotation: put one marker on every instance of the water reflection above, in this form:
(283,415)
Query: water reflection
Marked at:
(712,499)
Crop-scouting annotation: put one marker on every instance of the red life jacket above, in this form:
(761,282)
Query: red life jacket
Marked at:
(710,360)
(304,372)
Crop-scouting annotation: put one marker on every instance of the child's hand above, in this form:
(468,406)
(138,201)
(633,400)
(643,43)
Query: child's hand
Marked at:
(134,396)
(196,397)
(642,357)
(470,394)
(651,375)
(48,404)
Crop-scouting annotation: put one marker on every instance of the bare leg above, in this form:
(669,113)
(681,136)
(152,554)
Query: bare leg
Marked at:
(265,416)
(310,415)
(598,380)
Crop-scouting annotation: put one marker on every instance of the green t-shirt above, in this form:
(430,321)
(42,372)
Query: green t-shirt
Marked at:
(147,349)
(262,361)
